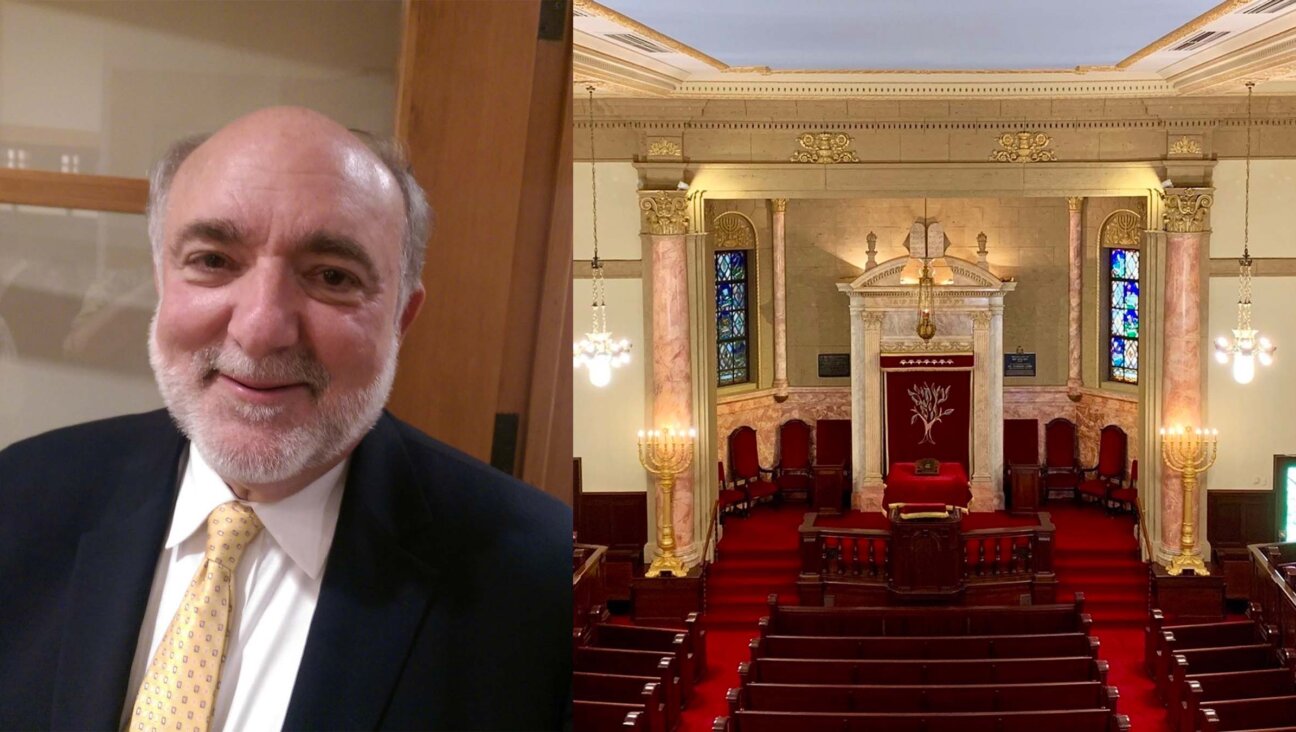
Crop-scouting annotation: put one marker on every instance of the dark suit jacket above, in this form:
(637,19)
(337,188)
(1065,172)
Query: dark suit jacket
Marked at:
(446,599)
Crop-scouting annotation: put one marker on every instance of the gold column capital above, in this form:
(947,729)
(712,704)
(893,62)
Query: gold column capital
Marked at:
(664,213)
(1074,202)
(779,204)
(1186,210)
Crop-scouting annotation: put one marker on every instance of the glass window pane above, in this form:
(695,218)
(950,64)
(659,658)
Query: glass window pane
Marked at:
(1131,324)
(1118,264)
(1131,354)
(1131,294)
(1117,294)
(1118,321)
(1118,351)
(1132,264)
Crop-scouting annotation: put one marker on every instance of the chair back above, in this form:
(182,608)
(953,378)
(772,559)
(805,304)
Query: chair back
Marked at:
(720,465)
(1111,452)
(1133,482)
(794,445)
(832,442)
(1021,442)
(1060,444)
(744,462)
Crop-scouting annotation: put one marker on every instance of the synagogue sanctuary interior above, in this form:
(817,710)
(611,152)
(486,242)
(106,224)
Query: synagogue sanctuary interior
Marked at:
(933,365)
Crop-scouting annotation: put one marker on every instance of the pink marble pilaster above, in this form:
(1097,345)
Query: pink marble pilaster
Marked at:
(1075,268)
(672,373)
(1181,377)
(778,208)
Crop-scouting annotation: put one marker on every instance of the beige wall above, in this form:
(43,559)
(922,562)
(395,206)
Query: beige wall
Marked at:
(606,420)
(1255,420)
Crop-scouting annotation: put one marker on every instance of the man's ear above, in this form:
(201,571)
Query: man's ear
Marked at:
(412,308)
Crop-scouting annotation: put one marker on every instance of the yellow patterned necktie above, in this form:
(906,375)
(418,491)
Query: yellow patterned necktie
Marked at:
(179,690)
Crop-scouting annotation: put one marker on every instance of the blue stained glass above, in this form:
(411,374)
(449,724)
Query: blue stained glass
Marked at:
(740,324)
(1118,321)
(725,297)
(739,296)
(1131,354)
(1131,324)
(1131,295)
(1118,264)
(724,326)
(1132,264)
(1117,295)
(731,317)
(731,266)
(726,356)
(1118,351)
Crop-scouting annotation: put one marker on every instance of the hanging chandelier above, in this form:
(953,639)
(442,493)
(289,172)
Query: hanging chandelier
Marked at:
(598,351)
(1246,346)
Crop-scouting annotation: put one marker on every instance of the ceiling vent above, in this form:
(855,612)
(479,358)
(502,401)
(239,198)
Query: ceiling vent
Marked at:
(1268,7)
(581,13)
(639,42)
(1200,40)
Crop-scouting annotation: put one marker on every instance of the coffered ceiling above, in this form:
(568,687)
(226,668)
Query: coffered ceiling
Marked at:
(934,48)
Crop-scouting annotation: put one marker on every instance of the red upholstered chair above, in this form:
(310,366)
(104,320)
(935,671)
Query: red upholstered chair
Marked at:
(1126,496)
(1108,474)
(792,474)
(1061,458)
(745,469)
(729,500)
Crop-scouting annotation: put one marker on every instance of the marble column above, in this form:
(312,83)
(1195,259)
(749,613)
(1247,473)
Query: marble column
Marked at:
(996,401)
(983,498)
(1075,269)
(866,407)
(1186,220)
(665,221)
(778,208)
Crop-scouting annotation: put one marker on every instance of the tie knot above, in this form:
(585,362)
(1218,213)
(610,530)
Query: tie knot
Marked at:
(230,528)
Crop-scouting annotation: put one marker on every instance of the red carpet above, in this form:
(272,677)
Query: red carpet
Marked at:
(1094,553)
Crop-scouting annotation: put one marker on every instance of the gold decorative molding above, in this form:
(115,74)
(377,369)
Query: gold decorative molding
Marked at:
(1185,145)
(1186,209)
(1074,203)
(664,213)
(873,320)
(935,345)
(1024,147)
(664,147)
(980,319)
(779,204)
(1122,229)
(825,147)
(733,230)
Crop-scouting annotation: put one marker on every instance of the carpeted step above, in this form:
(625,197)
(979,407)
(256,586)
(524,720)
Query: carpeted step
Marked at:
(1084,561)
(781,565)
(748,583)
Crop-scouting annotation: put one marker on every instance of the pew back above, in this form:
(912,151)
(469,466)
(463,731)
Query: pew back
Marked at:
(912,699)
(912,672)
(925,647)
(663,668)
(607,716)
(926,621)
(1269,713)
(644,691)
(1093,720)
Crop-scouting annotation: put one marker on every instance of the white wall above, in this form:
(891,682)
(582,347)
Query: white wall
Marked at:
(1256,420)
(605,421)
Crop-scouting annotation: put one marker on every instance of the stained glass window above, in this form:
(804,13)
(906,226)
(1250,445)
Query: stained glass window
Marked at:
(1123,356)
(732,341)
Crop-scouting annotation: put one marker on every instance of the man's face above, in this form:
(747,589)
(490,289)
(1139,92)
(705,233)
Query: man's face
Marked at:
(275,338)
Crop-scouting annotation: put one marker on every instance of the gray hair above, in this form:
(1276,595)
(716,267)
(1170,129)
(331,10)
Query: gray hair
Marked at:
(418,214)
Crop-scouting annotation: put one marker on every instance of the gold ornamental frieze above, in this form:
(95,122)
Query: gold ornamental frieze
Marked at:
(664,213)
(825,147)
(1024,147)
(664,147)
(1186,209)
(1123,229)
(1185,145)
(732,230)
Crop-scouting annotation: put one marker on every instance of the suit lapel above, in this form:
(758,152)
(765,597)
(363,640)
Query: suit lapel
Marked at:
(375,593)
(110,586)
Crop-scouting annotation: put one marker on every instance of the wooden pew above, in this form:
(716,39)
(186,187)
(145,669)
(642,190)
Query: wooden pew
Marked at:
(925,621)
(914,647)
(1163,640)
(643,691)
(1204,689)
(688,643)
(1194,661)
(913,672)
(592,715)
(931,699)
(663,669)
(1271,714)
(1081,720)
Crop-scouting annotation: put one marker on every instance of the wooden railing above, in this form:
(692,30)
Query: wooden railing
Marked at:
(1142,525)
(846,566)
(1273,591)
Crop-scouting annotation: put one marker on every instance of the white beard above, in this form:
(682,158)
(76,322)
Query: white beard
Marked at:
(240,440)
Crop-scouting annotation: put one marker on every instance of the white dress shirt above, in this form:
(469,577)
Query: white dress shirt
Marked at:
(276,587)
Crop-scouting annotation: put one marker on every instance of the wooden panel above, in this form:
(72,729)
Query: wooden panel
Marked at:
(613,519)
(1187,598)
(1239,517)
(74,190)
(483,105)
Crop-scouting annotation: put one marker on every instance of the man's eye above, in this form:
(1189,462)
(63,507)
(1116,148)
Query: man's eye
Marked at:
(210,260)
(337,278)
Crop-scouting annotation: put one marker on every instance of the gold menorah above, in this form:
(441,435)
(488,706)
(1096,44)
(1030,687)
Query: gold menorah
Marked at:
(665,454)
(1190,453)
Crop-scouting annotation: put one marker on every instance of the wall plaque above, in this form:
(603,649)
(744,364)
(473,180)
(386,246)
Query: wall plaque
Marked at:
(1019,364)
(834,364)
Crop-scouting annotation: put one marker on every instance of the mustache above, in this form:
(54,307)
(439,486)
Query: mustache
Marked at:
(288,367)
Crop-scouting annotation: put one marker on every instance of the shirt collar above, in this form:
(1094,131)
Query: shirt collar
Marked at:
(301,524)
